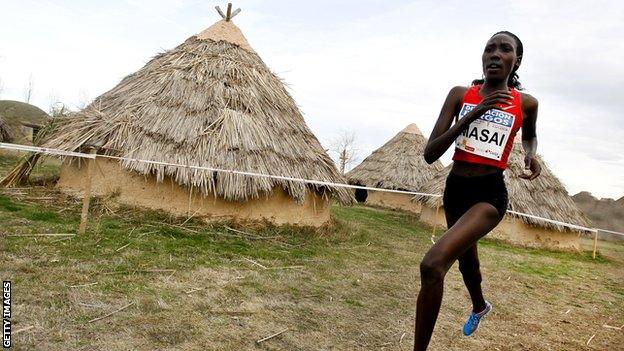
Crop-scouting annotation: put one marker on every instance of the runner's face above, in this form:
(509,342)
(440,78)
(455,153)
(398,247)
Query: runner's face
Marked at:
(499,57)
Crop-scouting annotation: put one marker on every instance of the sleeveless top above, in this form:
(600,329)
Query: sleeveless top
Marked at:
(488,140)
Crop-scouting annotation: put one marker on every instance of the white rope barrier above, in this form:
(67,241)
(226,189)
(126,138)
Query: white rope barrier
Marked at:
(610,232)
(56,152)
(43,150)
(252,174)
(572,226)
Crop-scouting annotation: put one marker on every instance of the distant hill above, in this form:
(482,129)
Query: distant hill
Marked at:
(604,213)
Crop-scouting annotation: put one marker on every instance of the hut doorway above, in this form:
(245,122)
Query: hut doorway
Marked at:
(361,195)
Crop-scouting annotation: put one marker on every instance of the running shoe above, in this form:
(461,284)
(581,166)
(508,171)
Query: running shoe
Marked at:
(473,321)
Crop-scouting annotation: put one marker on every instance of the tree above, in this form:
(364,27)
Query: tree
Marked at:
(28,89)
(345,149)
(59,109)
(83,99)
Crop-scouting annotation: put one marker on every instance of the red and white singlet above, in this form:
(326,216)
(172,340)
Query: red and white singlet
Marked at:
(489,139)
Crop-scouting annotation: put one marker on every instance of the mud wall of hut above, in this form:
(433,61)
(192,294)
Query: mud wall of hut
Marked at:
(393,201)
(516,232)
(112,182)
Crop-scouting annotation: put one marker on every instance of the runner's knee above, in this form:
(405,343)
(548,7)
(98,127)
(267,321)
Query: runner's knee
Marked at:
(431,271)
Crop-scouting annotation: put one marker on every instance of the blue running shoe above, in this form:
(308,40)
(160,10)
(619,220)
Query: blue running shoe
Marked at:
(473,321)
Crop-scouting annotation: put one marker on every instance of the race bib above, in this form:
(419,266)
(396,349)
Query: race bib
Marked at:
(487,135)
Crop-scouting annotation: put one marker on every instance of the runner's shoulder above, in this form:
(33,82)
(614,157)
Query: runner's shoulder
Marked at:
(457,92)
(529,103)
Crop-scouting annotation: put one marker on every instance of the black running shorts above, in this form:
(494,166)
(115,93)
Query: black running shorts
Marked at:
(461,193)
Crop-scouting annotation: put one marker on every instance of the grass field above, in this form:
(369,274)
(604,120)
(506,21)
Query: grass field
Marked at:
(184,285)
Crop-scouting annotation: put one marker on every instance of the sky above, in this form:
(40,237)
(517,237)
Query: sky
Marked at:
(358,66)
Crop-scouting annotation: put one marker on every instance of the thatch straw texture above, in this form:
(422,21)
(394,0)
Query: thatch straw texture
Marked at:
(398,164)
(18,117)
(544,197)
(209,102)
(5,133)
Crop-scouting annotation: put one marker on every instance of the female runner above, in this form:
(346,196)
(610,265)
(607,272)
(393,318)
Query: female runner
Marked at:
(487,117)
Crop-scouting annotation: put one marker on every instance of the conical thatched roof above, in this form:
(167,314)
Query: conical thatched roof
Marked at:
(544,197)
(399,164)
(209,102)
(5,133)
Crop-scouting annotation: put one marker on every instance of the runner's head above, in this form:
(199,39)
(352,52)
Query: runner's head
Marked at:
(501,59)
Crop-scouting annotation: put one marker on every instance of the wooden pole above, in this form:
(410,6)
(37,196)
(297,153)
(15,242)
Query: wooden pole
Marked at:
(87,196)
(435,222)
(595,244)
(236,12)
(228,14)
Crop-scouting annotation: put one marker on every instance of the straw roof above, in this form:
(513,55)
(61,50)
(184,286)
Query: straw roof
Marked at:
(545,196)
(398,164)
(209,102)
(17,114)
(5,133)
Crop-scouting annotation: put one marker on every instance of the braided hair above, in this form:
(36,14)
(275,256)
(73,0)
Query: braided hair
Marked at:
(513,77)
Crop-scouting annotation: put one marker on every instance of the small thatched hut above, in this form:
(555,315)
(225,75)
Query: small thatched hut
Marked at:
(397,165)
(5,133)
(544,197)
(210,102)
(22,121)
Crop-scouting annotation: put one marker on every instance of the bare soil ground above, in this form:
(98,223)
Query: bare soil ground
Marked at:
(189,286)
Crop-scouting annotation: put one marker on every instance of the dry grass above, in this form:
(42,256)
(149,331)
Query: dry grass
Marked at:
(192,286)
(398,164)
(206,103)
(543,197)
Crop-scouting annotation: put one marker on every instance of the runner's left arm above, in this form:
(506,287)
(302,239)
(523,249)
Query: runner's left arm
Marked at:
(529,137)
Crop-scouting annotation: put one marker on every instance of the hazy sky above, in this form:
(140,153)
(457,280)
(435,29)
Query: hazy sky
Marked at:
(366,66)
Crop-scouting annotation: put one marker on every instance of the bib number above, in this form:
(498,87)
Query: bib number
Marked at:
(487,135)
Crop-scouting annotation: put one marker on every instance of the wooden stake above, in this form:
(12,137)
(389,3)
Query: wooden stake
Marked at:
(190,202)
(435,222)
(595,244)
(220,12)
(87,196)
(228,15)
(236,12)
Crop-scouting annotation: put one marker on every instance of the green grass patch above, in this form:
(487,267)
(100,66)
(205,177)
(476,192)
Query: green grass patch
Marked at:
(584,256)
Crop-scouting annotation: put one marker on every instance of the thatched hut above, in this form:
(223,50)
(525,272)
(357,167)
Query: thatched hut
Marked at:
(397,165)
(22,121)
(543,197)
(210,102)
(5,133)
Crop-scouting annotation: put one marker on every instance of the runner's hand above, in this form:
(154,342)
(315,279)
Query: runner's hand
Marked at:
(531,164)
(493,100)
